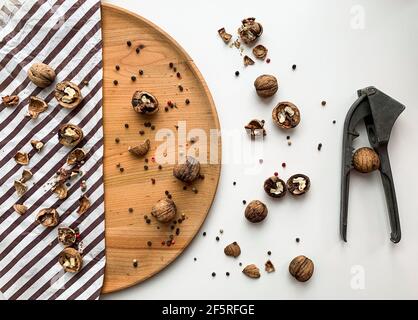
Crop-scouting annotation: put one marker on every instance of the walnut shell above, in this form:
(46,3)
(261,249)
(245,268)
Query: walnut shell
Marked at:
(250,30)
(232,250)
(256,128)
(61,191)
(26,175)
(366,160)
(20,187)
(20,208)
(70,259)
(301,268)
(76,156)
(48,217)
(164,210)
(256,211)
(22,158)
(70,135)
(298,184)
(41,74)
(248,61)
(37,145)
(144,103)
(269,267)
(140,150)
(67,236)
(36,106)
(68,94)
(266,85)
(252,271)
(187,171)
(226,37)
(260,52)
(275,187)
(286,115)
(84,205)
(10,101)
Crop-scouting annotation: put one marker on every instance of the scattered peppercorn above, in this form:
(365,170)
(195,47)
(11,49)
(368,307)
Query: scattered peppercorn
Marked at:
(319,146)
(166,192)
(172,227)
(227,274)
(184,187)
(171,65)
(178,75)
(137,50)
(146,160)
(169,196)
(145,217)
(217,238)
(117,140)
(148,221)
(129,43)
(131,210)
(152,127)
(145,167)
(334,122)
(213,274)
(135,263)
(221,231)
(288,138)
(175,69)
(141,132)
(68,184)
(181,88)
(177,231)
(276,174)
(117,67)
(160,167)
(284,165)
(244,202)
(204,234)
(195,190)
(268,60)
(234,183)
(121,169)
(166,109)
(149,243)
(187,101)
(269,253)
(240,264)
(323,103)
(115,82)
(126,125)
(141,46)
(152,180)
(85,82)
(118,165)
(294,67)
(236,73)
(289,143)
(133,78)
(195,259)
(141,72)
(297,240)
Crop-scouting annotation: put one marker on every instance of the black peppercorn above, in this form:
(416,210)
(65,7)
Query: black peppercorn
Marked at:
(195,259)
(217,238)
(152,127)
(149,243)
(213,274)
(141,132)
(319,146)
(141,46)
(178,75)
(145,167)
(131,210)
(227,274)
(244,202)
(294,67)
(166,109)
(135,263)
(121,169)
(166,192)
(237,73)
(269,253)
(115,82)
(175,69)
(126,125)
(323,103)
(117,67)
(152,180)
(234,183)
(133,78)
(137,50)
(184,187)
(187,101)
(171,65)
(334,122)
(129,43)
(160,167)
(204,234)
(181,88)
(117,140)
(141,72)
(148,221)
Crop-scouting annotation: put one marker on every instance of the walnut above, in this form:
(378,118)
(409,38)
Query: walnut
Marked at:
(20,208)
(140,150)
(70,259)
(68,94)
(366,160)
(37,145)
(48,217)
(250,30)
(286,115)
(84,205)
(67,236)
(256,211)
(298,184)
(187,171)
(269,266)
(301,268)
(144,103)
(164,210)
(70,135)
(232,250)
(226,37)
(256,128)
(10,101)
(22,158)
(36,106)
(41,74)
(266,85)
(275,187)
(26,175)
(248,61)
(260,51)
(76,156)
(252,271)
(20,187)
(61,191)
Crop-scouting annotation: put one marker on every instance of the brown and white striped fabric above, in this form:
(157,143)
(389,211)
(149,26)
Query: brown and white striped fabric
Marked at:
(65,34)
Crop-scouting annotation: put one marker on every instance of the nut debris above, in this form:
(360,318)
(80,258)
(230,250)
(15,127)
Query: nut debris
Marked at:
(226,37)
(48,217)
(140,150)
(232,250)
(36,107)
(10,101)
(256,128)
(20,208)
(269,267)
(61,191)
(70,259)
(84,205)
(22,158)
(252,271)
(26,175)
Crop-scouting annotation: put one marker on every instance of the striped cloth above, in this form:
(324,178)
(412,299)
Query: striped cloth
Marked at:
(65,34)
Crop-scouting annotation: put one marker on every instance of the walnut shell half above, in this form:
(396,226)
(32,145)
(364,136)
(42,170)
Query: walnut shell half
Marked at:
(252,271)
(70,259)
(226,37)
(298,184)
(68,94)
(144,103)
(301,268)
(266,85)
(275,187)
(22,158)
(256,211)
(164,210)
(141,149)
(26,175)
(20,187)
(260,51)
(67,236)
(76,156)
(41,74)
(36,106)
(84,205)
(187,171)
(20,208)
(48,217)
(61,191)
(70,135)
(286,115)
(232,250)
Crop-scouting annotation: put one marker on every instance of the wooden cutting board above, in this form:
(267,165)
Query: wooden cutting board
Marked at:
(127,233)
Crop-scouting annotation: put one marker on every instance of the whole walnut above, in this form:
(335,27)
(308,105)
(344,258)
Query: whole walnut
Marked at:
(250,30)
(252,271)
(256,211)
(41,74)
(187,171)
(232,250)
(266,85)
(301,268)
(164,210)
(366,160)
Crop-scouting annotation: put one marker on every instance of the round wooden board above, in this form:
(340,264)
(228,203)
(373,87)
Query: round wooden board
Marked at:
(127,233)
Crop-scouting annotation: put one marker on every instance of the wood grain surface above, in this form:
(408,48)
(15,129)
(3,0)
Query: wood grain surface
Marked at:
(127,233)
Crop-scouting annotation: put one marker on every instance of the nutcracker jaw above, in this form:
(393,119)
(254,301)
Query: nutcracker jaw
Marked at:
(379,113)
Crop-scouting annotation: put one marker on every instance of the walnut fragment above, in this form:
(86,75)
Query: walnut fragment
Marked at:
(248,61)
(36,107)
(20,208)
(61,191)
(226,37)
(256,128)
(26,175)
(37,145)
(76,156)
(141,149)
(70,259)
(269,267)
(10,101)
(22,158)
(84,205)
(20,187)
(252,271)
(232,250)
(48,217)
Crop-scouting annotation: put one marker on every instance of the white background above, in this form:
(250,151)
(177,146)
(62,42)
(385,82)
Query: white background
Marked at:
(336,53)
